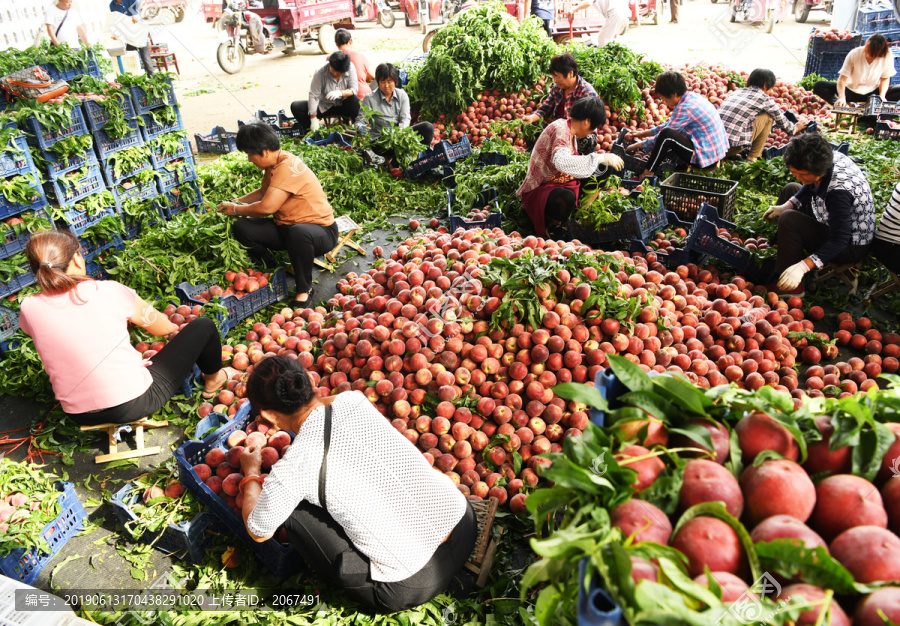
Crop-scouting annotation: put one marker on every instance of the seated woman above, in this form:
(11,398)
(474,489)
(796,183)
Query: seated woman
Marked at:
(357,499)
(867,71)
(302,220)
(832,215)
(392,105)
(886,246)
(550,189)
(568,88)
(694,132)
(80,330)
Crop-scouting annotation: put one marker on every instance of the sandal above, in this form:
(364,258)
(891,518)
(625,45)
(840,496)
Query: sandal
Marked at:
(309,297)
(210,394)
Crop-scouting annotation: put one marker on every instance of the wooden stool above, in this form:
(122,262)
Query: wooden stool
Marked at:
(346,229)
(852,114)
(162,59)
(140,450)
(847,274)
(883,287)
(482,557)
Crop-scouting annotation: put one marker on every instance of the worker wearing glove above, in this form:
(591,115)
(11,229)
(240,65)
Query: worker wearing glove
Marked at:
(831,216)
(332,94)
(551,185)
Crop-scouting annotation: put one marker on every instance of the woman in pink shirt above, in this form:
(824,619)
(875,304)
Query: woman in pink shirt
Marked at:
(80,330)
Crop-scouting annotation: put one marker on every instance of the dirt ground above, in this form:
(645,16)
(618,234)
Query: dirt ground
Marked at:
(210,97)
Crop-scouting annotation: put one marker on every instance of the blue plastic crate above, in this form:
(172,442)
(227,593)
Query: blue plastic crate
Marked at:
(110,176)
(143,191)
(595,606)
(280,559)
(219,141)
(106,145)
(209,424)
(9,323)
(171,205)
(142,103)
(238,309)
(818,45)
(151,129)
(342,141)
(158,158)
(90,248)
(10,243)
(12,163)
(633,224)
(96,270)
(17,283)
(486,197)
(876,19)
(185,540)
(25,567)
(58,167)
(57,73)
(95,114)
(66,196)
(46,138)
(826,64)
(8,208)
(171,177)
(441,153)
(79,221)
(133,227)
(672,260)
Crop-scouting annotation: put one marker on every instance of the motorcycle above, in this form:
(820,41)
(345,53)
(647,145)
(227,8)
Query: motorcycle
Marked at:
(375,11)
(803,7)
(247,33)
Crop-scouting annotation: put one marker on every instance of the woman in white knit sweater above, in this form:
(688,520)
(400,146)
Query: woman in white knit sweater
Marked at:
(358,500)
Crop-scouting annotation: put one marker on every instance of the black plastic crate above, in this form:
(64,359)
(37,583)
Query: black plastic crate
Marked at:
(45,138)
(280,559)
(8,208)
(289,127)
(238,309)
(219,141)
(65,195)
(442,153)
(143,103)
(95,113)
(633,224)
(185,540)
(887,130)
(106,145)
(684,195)
(826,64)
(484,198)
(680,256)
(818,45)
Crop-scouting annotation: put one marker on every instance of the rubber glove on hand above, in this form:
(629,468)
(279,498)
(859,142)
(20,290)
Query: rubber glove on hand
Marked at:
(612,161)
(792,276)
(314,124)
(335,94)
(773,212)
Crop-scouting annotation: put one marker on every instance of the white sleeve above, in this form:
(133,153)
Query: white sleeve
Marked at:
(575,165)
(275,504)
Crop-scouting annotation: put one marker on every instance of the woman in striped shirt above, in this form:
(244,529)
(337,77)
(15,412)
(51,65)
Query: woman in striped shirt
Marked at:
(886,246)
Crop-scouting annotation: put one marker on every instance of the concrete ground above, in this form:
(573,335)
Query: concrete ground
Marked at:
(209,97)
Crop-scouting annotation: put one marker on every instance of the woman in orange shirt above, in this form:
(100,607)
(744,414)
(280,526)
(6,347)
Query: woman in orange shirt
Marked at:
(302,219)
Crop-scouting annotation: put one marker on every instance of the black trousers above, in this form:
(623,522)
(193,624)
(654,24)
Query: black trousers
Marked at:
(827,90)
(799,232)
(887,253)
(348,107)
(303,242)
(198,342)
(146,59)
(670,145)
(426,132)
(328,550)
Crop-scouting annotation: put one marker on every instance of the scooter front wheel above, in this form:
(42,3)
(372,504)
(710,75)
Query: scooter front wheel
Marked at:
(386,18)
(230,57)
(426,43)
(801,11)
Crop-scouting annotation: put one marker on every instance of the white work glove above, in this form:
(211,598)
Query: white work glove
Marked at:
(314,124)
(335,94)
(774,212)
(792,276)
(612,161)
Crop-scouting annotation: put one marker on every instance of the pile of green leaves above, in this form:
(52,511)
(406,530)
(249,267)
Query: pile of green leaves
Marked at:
(617,73)
(156,514)
(15,265)
(482,48)
(92,205)
(32,222)
(66,148)
(8,143)
(25,526)
(404,143)
(808,81)
(20,189)
(62,57)
(22,372)
(105,229)
(50,115)
(471,179)
(156,86)
(129,160)
(164,116)
(603,203)
(168,144)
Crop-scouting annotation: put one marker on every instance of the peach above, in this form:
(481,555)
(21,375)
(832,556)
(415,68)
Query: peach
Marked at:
(269,458)
(647,469)
(778,487)
(710,542)
(820,458)
(233,456)
(889,462)
(810,593)
(871,553)
(215,484)
(786,527)
(718,433)
(845,501)
(707,481)
(642,569)
(236,438)
(890,494)
(655,432)
(279,441)
(203,471)
(215,457)
(174,489)
(255,439)
(886,600)
(231,483)
(758,432)
(643,520)
(732,587)
(152,493)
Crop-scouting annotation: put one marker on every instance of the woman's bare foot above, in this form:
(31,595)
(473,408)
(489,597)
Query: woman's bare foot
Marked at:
(215,382)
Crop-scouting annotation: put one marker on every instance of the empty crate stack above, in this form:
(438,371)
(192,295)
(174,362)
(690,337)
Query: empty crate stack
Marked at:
(170,149)
(880,18)
(21,201)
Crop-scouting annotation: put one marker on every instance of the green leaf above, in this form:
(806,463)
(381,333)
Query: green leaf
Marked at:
(629,373)
(579,392)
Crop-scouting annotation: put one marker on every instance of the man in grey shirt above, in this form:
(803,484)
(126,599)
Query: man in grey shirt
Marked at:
(392,105)
(332,93)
